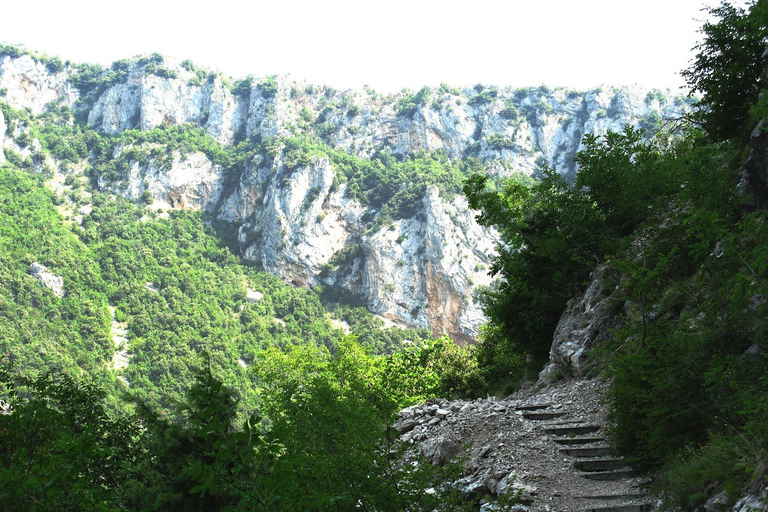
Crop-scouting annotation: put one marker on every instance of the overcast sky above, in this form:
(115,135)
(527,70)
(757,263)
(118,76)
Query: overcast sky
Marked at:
(386,45)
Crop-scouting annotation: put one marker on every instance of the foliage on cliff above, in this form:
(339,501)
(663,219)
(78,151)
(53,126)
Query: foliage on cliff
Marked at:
(689,368)
(179,291)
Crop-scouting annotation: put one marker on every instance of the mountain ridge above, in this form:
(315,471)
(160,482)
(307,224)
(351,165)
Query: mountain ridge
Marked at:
(386,229)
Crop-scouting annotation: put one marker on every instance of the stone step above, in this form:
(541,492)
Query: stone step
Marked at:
(535,407)
(596,451)
(573,430)
(610,475)
(543,415)
(639,507)
(578,440)
(599,464)
(614,497)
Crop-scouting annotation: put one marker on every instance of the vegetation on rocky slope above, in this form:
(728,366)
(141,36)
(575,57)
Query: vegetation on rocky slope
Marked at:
(682,220)
(238,403)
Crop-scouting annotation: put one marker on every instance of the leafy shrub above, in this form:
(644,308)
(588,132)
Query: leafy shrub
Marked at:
(498,142)
(408,105)
(484,96)
(268,87)
(242,88)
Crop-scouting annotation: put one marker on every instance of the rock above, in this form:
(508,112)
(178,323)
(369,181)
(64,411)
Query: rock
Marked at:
(297,220)
(586,321)
(474,486)
(192,182)
(440,449)
(405,425)
(752,351)
(146,101)
(754,502)
(506,484)
(52,282)
(253,296)
(29,85)
(717,503)
(499,474)
(492,484)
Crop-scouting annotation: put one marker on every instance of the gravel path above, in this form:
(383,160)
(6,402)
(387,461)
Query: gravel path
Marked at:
(508,446)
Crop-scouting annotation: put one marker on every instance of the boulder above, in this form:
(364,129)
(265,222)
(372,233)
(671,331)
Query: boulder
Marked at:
(49,280)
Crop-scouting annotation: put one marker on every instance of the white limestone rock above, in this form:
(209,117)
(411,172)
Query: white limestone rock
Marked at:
(48,279)
(296,220)
(586,321)
(755,502)
(192,181)
(147,101)
(29,84)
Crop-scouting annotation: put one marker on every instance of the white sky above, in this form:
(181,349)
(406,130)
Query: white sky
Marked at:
(386,44)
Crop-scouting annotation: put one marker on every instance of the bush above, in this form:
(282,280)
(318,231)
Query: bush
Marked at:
(268,87)
(408,105)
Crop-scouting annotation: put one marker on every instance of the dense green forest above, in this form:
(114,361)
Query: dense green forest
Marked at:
(232,402)
(182,295)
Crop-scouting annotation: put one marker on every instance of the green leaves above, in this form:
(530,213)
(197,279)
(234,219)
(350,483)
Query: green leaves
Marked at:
(332,415)
(551,236)
(729,69)
(60,447)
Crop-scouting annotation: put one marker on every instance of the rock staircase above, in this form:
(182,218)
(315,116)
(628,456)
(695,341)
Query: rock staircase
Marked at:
(610,484)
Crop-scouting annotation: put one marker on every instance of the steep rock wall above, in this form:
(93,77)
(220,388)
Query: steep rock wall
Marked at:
(298,221)
(28,84)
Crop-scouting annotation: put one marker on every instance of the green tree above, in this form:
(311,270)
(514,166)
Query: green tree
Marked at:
(729,68)
(551,235)
(60,449)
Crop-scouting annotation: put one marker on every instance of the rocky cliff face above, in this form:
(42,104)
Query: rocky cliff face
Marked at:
(28,84)
(300,220)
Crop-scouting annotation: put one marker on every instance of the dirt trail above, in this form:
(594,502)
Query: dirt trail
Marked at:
(519,441)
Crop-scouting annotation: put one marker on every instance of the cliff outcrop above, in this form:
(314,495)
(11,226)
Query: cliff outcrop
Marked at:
(304,219)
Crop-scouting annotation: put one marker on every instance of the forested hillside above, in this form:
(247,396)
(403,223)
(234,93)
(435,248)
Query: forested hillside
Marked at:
(355,191)
(152,356)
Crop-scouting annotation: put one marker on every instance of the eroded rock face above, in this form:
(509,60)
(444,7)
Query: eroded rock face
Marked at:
(47,278)
(416,272)
(192,181)
(298,222)
(586,322)
(423,271)
(292,221)
(752,502)
(146,101)
(29,84)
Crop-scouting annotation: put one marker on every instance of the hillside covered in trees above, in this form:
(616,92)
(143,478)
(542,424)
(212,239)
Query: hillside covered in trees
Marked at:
(171,372)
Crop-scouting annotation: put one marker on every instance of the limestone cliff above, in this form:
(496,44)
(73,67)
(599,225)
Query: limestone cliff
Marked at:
(301,219)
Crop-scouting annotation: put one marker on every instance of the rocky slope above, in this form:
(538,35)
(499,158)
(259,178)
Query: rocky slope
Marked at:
(548,444)
(301,220)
